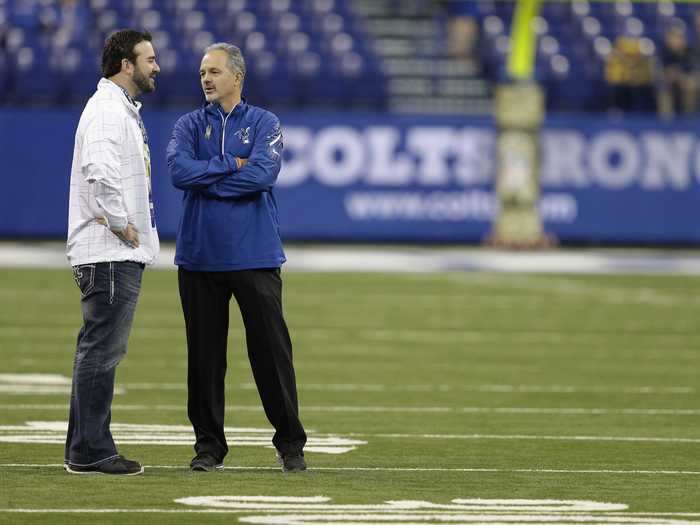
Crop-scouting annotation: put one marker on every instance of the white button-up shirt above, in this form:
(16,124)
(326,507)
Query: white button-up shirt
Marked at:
(110,182)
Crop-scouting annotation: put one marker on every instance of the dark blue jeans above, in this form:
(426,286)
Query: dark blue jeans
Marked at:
(109,293)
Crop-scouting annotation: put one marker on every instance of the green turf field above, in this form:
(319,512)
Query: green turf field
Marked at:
(449,386)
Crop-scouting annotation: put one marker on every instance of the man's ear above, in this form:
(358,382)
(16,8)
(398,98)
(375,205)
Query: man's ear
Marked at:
(127,66)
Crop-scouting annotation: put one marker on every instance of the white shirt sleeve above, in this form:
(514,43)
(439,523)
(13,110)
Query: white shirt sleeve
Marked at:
(103,140)
(111,204)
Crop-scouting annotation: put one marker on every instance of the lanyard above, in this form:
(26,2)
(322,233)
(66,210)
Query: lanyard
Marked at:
(144,133)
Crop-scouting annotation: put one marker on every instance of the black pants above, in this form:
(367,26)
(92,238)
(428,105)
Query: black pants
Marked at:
(205,298)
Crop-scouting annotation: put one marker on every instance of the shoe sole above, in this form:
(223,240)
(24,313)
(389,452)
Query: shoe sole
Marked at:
(202,468)
(293,470)
(281,462)
(89,472)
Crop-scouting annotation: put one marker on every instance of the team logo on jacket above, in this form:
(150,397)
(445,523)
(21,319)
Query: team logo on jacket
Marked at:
(244,135)
(274,142)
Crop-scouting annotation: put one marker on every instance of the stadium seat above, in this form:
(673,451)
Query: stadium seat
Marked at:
(304,52)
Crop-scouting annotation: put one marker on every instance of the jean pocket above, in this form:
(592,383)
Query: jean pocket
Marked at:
(124,282)
(84,276)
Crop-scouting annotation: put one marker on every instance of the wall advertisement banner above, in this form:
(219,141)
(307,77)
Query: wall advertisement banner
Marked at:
(352,177)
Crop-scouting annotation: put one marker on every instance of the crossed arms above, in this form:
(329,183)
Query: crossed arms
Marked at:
(225,176)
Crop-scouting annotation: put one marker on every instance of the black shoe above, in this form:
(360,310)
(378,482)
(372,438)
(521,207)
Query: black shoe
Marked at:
(292,462)
(117,465)
(205,462)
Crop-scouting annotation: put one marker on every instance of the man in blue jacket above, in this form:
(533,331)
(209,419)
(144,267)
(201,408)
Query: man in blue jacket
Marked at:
(226,158)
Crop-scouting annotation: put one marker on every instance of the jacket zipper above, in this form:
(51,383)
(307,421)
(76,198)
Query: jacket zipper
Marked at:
(223,135)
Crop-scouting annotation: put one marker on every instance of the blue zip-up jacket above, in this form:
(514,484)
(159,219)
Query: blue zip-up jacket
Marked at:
(229,219)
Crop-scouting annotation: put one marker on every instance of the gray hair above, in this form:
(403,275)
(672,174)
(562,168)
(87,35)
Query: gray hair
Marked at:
(236,63)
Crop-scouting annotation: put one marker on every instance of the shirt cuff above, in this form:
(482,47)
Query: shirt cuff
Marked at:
(116,224)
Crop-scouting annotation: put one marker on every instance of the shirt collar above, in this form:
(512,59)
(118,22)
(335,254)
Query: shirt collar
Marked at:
(128,100)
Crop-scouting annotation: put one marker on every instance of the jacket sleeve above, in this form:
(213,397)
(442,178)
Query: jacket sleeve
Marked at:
(103,139)
(186,171)
(264,163)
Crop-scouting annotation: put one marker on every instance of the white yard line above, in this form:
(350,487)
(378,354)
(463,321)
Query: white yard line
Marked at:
(572,411)
(12,383)
(45,432)
(642,439)
(680,341)
(406,469)
(679,514)
(602,518)
(584,411)
(496,389)
(613,517)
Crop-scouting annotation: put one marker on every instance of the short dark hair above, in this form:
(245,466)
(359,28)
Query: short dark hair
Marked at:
(120,45)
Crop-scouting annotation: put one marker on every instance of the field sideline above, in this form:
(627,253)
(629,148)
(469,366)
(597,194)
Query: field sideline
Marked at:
(431,397)
(416,259)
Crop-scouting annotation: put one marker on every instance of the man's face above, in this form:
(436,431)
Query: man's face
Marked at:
(675,39)
(146,68)
(219,82)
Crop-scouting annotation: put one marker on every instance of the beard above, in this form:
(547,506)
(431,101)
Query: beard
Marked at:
(143,82)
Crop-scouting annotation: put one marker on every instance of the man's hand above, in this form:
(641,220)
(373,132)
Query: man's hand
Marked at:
(240,162)
(129,235)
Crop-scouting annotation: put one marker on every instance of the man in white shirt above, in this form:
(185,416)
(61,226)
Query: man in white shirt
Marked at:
(111,237)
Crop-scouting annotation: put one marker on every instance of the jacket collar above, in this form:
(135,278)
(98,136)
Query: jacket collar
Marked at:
(106,84)
(216,109)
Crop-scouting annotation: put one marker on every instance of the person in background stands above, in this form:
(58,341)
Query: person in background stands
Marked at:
(629,73)
(677,86)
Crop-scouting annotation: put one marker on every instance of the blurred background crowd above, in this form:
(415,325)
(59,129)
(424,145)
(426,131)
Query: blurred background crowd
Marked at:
(417,56)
